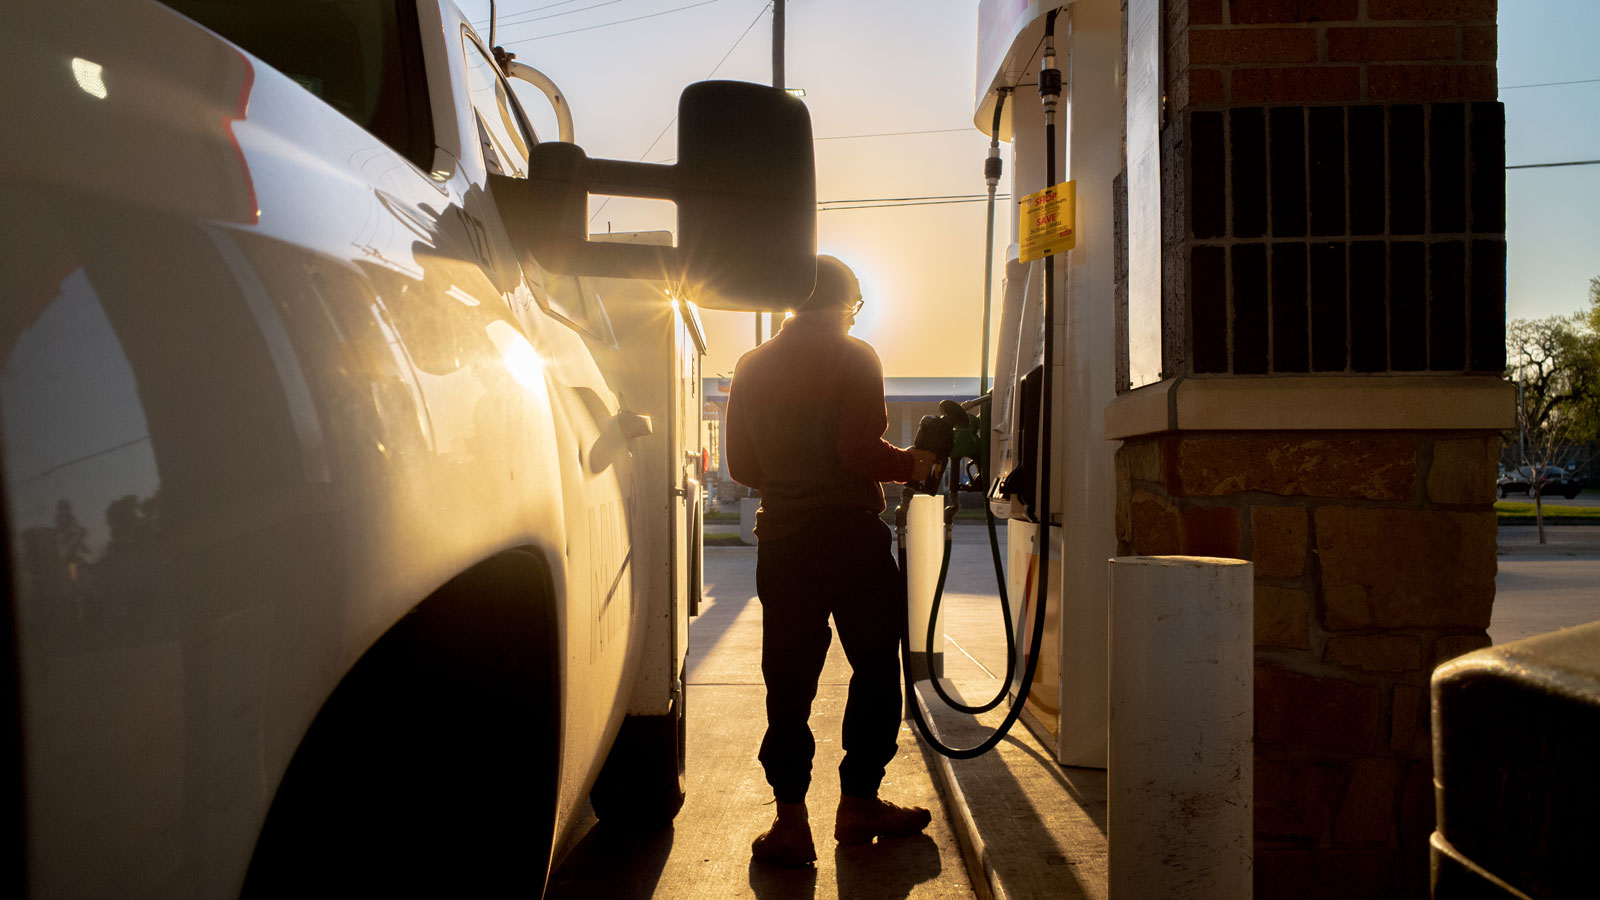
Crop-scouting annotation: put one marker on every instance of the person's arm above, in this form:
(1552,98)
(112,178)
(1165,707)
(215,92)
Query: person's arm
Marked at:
(863,418)
(742,463)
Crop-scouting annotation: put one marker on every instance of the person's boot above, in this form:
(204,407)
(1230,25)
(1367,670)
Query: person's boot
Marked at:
(860,819)
(788,841)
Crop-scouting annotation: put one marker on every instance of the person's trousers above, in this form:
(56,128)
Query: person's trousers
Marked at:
(843,565)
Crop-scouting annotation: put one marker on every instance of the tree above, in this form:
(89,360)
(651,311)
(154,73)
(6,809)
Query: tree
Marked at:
(1594,304)
(1552,362)
(1555,363)
(1588,409)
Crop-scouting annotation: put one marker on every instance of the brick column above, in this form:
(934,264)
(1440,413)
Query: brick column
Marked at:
(1333,302)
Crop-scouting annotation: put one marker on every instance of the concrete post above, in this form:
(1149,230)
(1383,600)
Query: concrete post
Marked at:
(924,552)
(1181,720)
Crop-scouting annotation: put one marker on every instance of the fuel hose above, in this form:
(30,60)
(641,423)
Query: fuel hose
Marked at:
(1050,93)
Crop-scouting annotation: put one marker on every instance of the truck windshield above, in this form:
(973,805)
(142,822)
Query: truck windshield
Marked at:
(362,57)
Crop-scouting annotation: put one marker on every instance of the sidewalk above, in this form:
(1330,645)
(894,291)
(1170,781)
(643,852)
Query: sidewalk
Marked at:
(1029,827)
(706,854)
(1560,540)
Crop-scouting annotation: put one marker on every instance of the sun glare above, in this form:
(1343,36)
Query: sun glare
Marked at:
(90,77)
(519,357)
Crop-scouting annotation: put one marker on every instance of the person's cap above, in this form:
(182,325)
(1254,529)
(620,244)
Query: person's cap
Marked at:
(836,288)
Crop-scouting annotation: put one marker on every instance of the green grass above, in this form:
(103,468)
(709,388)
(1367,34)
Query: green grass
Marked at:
(1514,509)
(723,539)
(717,515)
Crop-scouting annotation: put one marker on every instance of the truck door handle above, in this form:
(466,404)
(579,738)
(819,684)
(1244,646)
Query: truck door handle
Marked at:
(634,425)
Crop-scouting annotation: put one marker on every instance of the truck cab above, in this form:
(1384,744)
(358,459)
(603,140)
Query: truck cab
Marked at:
(346,535)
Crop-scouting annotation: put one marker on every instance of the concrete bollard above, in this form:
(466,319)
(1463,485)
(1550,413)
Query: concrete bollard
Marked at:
(747,519)
(924,553)
(1181,726)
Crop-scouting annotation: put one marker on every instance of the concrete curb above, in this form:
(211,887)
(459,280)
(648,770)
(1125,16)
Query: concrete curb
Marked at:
(1561,540)
(985,880)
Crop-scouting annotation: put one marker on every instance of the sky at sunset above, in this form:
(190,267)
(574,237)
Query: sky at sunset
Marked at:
(876,68)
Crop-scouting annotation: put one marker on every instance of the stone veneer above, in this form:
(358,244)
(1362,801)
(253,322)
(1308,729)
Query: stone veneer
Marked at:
(1375,562)
(1333,306)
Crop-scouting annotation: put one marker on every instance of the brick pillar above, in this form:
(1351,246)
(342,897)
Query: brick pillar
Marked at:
(1333,305)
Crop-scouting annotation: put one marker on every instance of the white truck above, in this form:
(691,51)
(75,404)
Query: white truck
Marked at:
(347,533)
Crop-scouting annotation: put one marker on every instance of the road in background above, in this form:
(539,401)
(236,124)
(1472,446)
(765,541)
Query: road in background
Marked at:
(1543,587)
(1555,501)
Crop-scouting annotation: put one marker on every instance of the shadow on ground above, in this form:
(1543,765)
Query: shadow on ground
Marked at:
(887,870)
(591,868)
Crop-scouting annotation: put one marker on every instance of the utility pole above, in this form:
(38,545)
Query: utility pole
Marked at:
(777,44)
(777,82)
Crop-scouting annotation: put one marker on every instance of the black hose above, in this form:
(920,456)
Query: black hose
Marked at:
(1005,613)
(991,174)
(923,727)
(1050,90)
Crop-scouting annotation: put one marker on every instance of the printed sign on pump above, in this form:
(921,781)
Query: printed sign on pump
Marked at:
(1047,220)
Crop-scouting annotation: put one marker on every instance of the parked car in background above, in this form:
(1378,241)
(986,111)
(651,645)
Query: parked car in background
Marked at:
(1551,480)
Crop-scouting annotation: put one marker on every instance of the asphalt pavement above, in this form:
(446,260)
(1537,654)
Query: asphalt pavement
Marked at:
(1541,587)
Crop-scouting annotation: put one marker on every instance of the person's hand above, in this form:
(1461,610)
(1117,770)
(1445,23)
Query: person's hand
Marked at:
(922,463)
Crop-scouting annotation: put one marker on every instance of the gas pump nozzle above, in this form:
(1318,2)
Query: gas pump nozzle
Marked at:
(937,434)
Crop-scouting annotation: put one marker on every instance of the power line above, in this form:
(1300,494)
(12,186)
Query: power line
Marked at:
(1518,87)
(570,12)
(938,199)
(903,199)
(742,35)
(673,121)
(1552,165)
(917,203)
(609,24)
(482,22)
(846,137)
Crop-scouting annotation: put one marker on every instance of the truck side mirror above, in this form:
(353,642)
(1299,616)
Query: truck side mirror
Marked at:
(744,184)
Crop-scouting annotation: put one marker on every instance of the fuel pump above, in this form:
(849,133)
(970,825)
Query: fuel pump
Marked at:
(955,434)
(951,436)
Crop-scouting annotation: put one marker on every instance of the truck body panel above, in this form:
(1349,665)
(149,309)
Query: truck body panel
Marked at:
(266,384)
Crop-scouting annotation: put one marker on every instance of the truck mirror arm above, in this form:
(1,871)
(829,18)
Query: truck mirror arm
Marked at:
(744,185)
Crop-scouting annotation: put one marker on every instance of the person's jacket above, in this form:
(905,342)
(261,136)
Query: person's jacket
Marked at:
(806,418)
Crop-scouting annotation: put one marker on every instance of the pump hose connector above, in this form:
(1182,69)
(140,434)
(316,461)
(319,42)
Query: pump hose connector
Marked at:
(1049,75)
(992,167)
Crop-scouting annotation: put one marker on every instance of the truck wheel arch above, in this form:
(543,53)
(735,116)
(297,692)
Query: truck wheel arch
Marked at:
(435,764)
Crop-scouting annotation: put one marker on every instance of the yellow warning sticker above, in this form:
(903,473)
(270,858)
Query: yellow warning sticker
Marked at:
(1047,221)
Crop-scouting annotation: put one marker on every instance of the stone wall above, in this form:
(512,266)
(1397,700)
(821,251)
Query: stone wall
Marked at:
(1333,217)
(1375,562)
